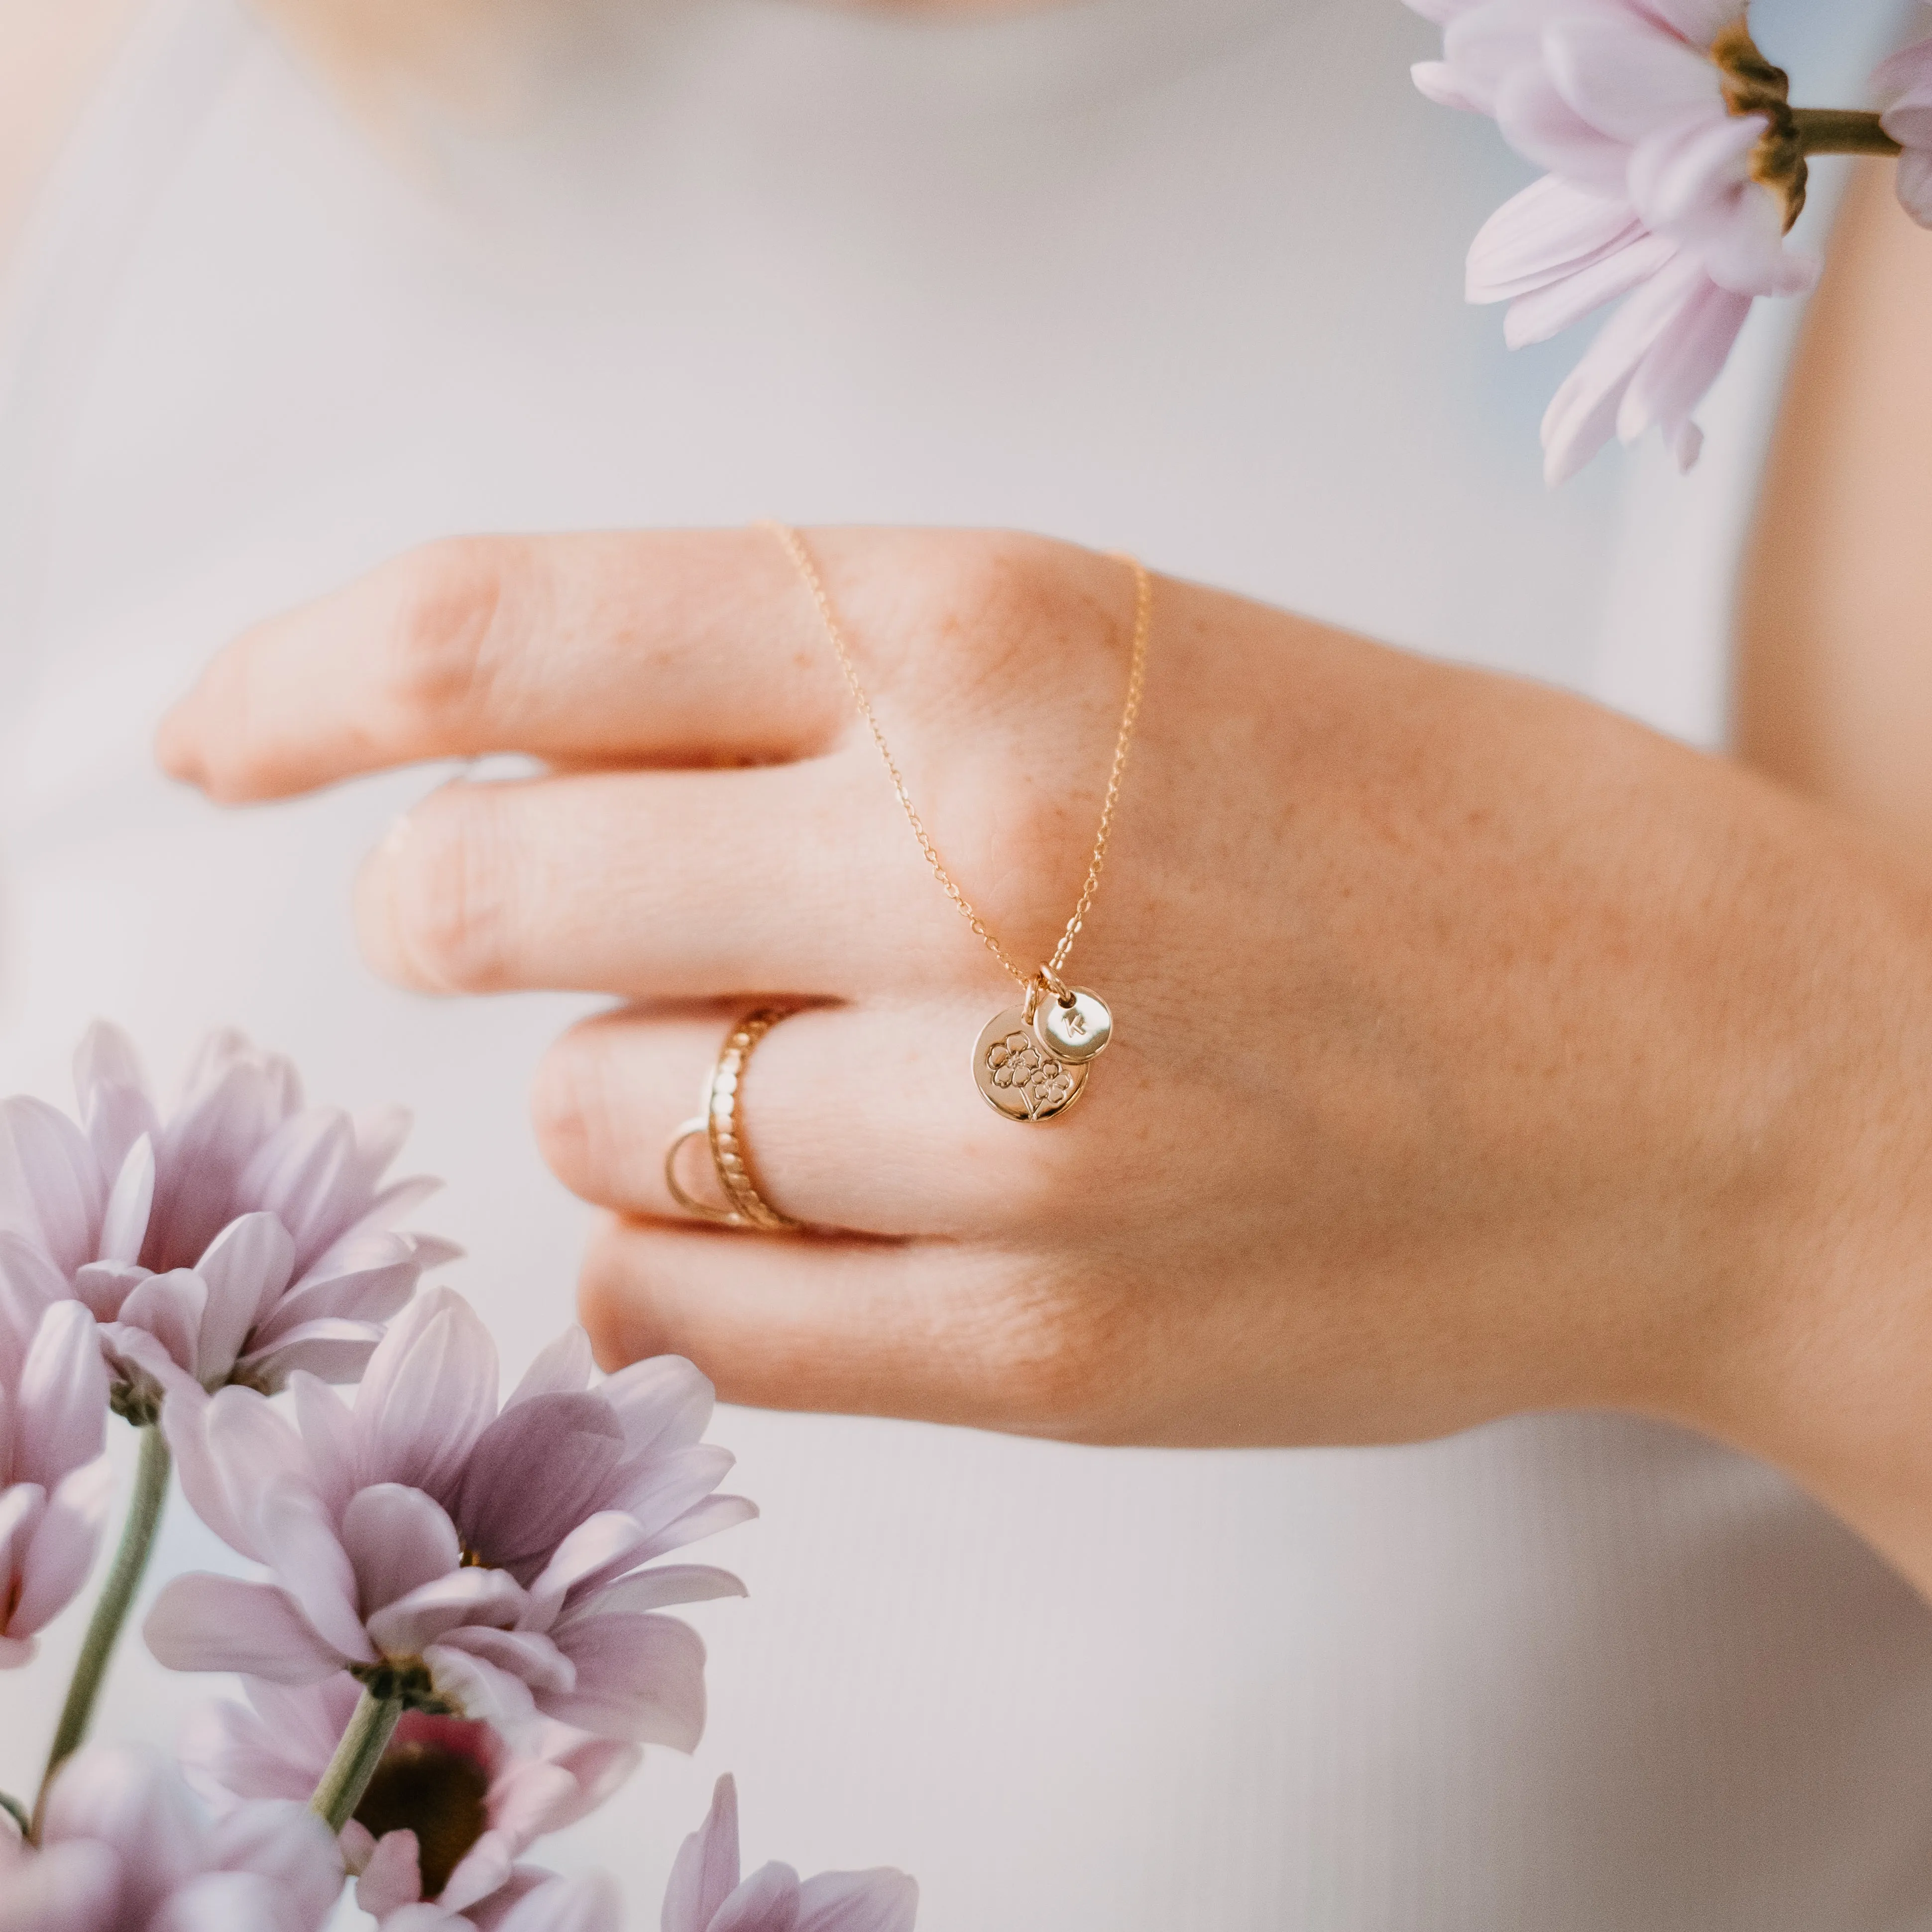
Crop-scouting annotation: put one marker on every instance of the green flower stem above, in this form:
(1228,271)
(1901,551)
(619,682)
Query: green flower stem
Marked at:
(356,1758)
(1834,130)
(117,1598)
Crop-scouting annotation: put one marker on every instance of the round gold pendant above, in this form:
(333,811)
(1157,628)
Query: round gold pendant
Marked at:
(1019,1078)
(1075,1028)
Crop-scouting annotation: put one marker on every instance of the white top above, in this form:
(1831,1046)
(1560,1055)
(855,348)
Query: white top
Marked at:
(1182,276)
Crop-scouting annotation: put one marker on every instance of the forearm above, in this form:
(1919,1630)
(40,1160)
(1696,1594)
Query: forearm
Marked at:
(1812,1347)
(1835,686)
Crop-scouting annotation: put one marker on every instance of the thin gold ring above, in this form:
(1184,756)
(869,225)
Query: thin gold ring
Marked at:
(721,1127)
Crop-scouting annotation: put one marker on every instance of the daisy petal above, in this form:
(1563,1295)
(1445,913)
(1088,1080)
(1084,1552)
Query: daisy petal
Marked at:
(331,1351)
(588,1904)
(430,1392)
(767,1901)
(639,1678)
(881,1900)
(169,1307)
(478,1690)
(244,1270)
(124,1225)
(202,1622)
(406,1627)
(705,1872)
(60,1555)
(663,1403)
(668,1584)
(62,1398)
(51,1191)
(1627,80)
(393,1877)
(299,1542)
(563,1368)
(397,1539)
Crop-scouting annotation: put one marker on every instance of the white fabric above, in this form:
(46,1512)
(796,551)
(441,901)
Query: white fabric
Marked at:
(1178,275)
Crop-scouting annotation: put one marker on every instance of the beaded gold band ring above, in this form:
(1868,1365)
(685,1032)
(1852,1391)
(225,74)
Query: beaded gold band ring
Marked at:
(720,1124)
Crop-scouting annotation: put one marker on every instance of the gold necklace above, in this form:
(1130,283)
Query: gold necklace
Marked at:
(1031,1060)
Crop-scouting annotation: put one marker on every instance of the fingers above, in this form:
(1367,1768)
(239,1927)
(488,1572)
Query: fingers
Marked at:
(862,1118)
(944,1333)
(683,648)
(688,648)
(653,884)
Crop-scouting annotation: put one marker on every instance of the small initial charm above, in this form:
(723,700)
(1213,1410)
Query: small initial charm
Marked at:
(1076,1027)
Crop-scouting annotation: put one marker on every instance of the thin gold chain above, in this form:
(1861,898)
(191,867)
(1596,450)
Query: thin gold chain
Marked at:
(1049,975)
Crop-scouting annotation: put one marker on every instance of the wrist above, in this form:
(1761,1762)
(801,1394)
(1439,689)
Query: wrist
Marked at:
(1811,1345)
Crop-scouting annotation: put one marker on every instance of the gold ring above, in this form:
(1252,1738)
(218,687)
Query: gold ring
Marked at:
(719,1124)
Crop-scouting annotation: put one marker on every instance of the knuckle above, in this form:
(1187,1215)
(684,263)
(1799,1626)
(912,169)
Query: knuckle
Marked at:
(995,589)
(1033,636)
(448,597)
(452,920)
(970,601)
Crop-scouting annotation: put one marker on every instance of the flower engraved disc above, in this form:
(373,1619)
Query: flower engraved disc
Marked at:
(1077,1031)
(1019,1078)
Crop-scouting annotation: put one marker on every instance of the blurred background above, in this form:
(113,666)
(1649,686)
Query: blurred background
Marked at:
(295,288)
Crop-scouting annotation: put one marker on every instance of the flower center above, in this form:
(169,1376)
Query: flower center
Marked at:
(441,1795)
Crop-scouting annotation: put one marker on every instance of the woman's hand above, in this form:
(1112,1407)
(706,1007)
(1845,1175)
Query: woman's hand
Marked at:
(1476,1051)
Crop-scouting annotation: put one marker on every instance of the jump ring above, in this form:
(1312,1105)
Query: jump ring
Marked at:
(689,1201)
(720,1124)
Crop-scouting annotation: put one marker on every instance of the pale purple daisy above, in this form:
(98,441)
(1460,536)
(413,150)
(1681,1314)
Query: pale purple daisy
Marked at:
(242,1237)
(126,1849)
(453,1805)
(705,1894)
(1665,106)
(489,1564)
(1651,363)
(55,1480)
(1675,173)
